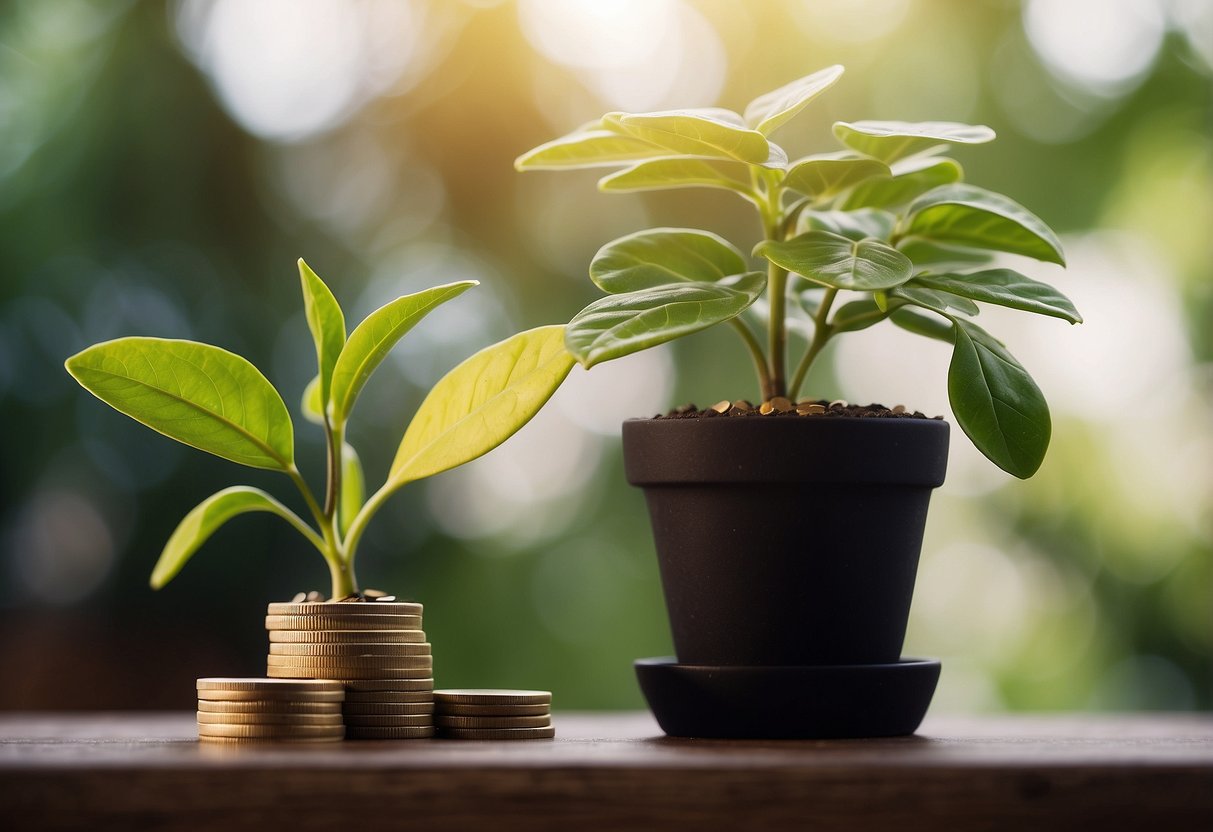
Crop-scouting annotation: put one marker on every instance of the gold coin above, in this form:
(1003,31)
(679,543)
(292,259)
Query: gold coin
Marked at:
(499,733)
(268,695)
(268,706)
(388,708)
(390,733)
(354,649)
(492,696)
(357,688)
(347,608)
(389,697)
(397,721)
(347,636)
(343,622)
(455,709)
(266,685)
(208,718)
(349,662)
(308,741)
(493,721)
(272,731)
(351,674)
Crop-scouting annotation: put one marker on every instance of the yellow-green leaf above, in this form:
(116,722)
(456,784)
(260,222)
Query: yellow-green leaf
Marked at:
(588,149)
(889,141)
(829,174)
(310,404)
(353,487)
(705,132)
(768,112)
(327,323)
(679,172)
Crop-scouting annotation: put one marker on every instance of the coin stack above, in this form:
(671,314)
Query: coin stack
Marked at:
(269,710)
(376,649)
(494,714)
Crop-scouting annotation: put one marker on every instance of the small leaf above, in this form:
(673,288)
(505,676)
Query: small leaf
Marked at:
(889,141)
(372,339)
(707,132)
(829,174)
(996,402)
(481,403)
(326,322)
(679,172)
(857,315)
(925,325)
(205,519)
(834,260)
(910,179)
(768,112)
(966,215)
(622,324)
(939,302)
(588,149)
(1005,288)
(311,404)
(661,256)
(353,487)
(200,395)
(854,225)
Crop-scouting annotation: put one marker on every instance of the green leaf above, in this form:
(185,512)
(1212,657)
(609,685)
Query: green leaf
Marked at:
(481,403)
(206,518)
(622,324)
(966,215)
(857,315)
(996,402)
(200,395)
(833,260)
(889,141)
(1005,288)
(311,405)
(661,256)
(768,112)
(372,339)
(588,149)
(925,325)
(854,225)
(826,175)
(679,172)
(910,179)
(705,132)
(353,487)
(928,255)
(326,322)
(936,301)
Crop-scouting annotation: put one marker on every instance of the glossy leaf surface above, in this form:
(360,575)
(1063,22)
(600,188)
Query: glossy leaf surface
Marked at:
(1005,287)
(854,225)
(829,174)
(310,403)
(588,149)
(353,487)
(893,140)
(326,322)
(661,256)
(705,132)
(967,215)
(678,172)
(769,112)
(934,300)
(833,260)
(910,179)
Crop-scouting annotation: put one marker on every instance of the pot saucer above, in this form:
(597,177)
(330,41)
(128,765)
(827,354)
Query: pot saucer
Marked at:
(863,700)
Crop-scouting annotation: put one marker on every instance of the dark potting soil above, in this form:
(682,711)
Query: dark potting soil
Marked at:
(832,410)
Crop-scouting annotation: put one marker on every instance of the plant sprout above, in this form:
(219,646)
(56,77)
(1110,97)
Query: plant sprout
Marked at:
(883,229)
(218,402)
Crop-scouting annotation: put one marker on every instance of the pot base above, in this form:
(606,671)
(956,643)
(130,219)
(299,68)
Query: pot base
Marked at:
(823,702)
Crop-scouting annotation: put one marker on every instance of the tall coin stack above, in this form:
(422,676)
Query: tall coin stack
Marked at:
(376,649)
(490,714)
(236,711)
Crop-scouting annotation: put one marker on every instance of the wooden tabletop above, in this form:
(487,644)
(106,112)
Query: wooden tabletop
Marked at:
(615,771)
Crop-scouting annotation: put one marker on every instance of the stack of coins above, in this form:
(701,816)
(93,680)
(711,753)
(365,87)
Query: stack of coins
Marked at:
(269,710)
(376,649)
(494,714)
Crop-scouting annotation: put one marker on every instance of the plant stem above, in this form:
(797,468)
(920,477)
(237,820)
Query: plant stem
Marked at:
(340,568)
(822,332)
(362,518)
(334,438)
(344,583)
(777,288)
(755,350)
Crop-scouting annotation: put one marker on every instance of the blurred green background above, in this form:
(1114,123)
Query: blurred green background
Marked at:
(161,167)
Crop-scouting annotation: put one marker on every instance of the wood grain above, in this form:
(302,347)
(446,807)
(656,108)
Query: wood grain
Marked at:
(615,771)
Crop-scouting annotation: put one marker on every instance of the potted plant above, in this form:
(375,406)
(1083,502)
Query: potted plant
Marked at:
(218,402)
(788,534)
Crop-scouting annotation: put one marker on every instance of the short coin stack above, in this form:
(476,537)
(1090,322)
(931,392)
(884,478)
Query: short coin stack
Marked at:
(494,714)
(235,711)
(376,649)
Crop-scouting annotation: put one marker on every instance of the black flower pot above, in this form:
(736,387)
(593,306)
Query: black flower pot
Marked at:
(787,542)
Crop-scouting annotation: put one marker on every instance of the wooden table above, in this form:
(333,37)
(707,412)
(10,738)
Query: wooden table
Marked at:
(615,771)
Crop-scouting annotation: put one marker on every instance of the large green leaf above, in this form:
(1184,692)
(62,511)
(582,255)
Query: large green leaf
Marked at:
(768,112)
(705,132)
(622,324)
(910,179)
(825,175)
(353,487)
(854,225)
(588,149)
(927,326)
(372,339)
(857,315)
(966,215)
(996,402)
(679,172)
(327,323)
(481,403)
(833,260)
(206,518)
(1005,287)
(929,256)
(200,395)
(661,256)
(934,300)
(889,141)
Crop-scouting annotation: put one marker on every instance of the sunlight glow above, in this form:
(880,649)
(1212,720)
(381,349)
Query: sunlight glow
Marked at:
(1102,46)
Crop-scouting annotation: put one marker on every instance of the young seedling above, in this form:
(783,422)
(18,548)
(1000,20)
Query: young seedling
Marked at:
(218,402)
(886,224)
